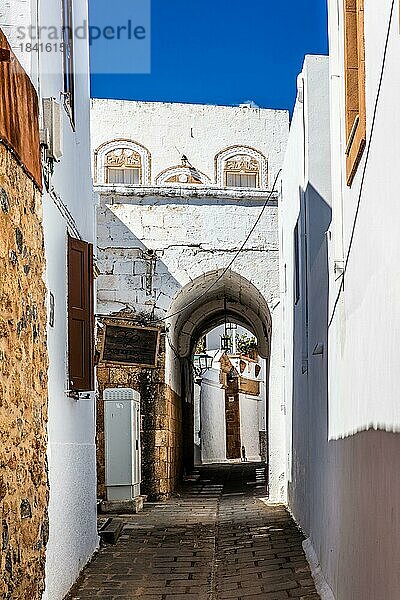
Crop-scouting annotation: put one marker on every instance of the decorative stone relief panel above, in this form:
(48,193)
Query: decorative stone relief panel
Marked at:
(241,159)
(182,175)
(123,158)
(122,153)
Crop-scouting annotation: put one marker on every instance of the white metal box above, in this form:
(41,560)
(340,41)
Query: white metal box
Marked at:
(122,443)
(52,121)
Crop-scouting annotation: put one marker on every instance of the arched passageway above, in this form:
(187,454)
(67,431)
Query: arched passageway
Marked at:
(206,302)
(200,305)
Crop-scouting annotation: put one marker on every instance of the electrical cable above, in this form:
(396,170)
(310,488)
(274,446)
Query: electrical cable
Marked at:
(226,269)
(341,287)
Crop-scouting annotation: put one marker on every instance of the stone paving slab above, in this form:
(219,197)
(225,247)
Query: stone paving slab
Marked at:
(216,541)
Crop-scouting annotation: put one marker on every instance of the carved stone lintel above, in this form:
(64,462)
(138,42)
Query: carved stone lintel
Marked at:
(242,164)
(123,158)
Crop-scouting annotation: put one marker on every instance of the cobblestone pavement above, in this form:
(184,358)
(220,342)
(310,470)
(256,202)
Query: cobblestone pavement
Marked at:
(215,541)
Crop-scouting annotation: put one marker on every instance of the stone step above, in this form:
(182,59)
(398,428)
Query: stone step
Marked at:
(111,531)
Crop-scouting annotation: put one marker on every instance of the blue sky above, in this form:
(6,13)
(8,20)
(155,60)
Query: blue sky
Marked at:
(223,52)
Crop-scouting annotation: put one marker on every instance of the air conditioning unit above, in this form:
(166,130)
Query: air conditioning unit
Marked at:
(122,443)
(52,125)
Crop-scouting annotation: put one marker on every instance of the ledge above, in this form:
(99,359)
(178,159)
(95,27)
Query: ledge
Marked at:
(198,191)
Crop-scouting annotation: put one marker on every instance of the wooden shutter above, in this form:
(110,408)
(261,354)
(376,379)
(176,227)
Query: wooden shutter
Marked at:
(80,315)
(354,84)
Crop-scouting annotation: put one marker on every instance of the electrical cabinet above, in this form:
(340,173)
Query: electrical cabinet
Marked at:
(122,443)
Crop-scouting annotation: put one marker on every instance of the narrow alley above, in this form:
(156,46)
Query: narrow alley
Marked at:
(199,292)
(218,539)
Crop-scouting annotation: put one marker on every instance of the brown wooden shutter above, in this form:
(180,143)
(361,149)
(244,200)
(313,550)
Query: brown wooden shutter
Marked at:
(80,315)
(354,70)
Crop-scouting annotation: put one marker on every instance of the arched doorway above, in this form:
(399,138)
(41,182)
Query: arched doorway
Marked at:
(206,302)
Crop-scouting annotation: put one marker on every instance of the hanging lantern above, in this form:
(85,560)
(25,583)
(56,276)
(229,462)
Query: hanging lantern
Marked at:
(226,339)
(226,342)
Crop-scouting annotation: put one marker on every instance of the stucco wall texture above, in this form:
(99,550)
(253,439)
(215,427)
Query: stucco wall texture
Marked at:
(23,386)
(344,480)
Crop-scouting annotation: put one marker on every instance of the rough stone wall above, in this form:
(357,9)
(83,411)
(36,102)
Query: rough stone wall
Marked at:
(161,425)
(23,386)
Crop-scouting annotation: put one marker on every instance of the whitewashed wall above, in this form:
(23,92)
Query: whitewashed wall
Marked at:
(189,231)
(199,131)
(72,453)
(68,207)
(371,285)
(306,199)
(188,235)
(213,424)
(343,413)
(249,418)
(364,412)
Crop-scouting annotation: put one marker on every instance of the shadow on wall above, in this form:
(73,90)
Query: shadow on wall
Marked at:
(344,493)
(310,328)
(136,284)
(133,276)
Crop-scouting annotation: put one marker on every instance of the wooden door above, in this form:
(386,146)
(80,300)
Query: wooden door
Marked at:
(232,418)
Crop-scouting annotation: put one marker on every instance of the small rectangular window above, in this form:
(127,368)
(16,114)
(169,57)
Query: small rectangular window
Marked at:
(124,176)
(68,58)
(241,180)
(80,315)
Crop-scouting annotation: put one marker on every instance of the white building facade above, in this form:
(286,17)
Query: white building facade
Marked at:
(229,427)
(181,187)
(339,224)
(68,213)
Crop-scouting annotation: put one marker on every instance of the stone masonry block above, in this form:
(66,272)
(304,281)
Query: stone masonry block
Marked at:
(153,218)
(139,267)
(123,267)
(161,438)
(107,296)
(108,282)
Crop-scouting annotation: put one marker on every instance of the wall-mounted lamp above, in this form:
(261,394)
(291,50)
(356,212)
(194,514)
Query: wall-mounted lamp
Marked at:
(201,363)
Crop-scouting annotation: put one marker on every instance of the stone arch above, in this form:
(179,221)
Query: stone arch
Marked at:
(200,305)
(184,175)
(241,151)
(122,144)
(196,309)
